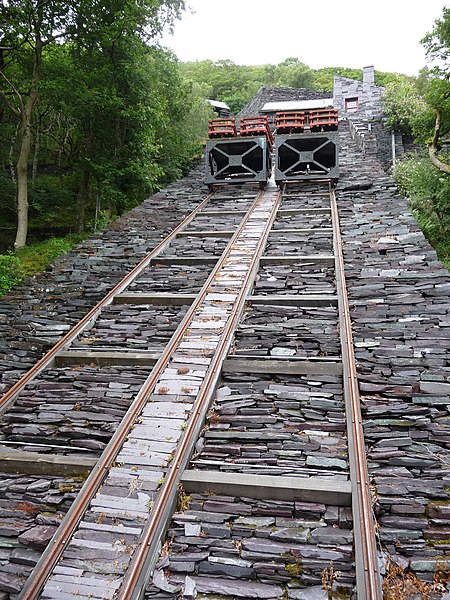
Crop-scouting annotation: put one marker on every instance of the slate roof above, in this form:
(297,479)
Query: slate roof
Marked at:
(267,94)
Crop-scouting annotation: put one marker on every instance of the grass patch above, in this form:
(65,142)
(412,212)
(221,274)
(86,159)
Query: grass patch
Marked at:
(36,257)
(33,259)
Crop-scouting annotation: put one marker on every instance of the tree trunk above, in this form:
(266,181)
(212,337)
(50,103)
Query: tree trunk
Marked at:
(433,146)
(84,187)
(10,156)
(61,142)
(37,144)
(25,147)
(22,183)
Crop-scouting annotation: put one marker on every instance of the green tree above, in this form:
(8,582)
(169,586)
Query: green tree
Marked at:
(437,43)
(437,94)
(324,77)
(237,84)
(293,73)
(406,109)
(422,106)
(29,27)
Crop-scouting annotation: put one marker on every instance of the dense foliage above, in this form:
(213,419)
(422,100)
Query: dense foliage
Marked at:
(428,191)
(92,115)
(422,107)
(235,84)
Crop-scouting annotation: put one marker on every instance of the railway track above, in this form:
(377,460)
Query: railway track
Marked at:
(256,503)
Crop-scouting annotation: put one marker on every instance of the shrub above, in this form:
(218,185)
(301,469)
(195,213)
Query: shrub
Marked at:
(428,193)
(10,273)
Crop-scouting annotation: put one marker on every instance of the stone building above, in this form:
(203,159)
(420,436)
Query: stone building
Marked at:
(220,108)
(359,102)
(359,98)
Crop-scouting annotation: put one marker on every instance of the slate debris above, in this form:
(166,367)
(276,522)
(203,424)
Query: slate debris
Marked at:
(266,328)
(37,312)
(299,243)
(300,278)
(263,555)
(162,278)
(131,487)
(197,247)
(31,508)
(76,407)
(227,199)
(277,425)
(400,312)
(205,222)
(305,195)
(132,327)
(302,220)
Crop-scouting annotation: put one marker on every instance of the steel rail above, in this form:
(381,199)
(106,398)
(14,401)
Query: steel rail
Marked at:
(145,556)
(368,579)
(61,539)
(9,397)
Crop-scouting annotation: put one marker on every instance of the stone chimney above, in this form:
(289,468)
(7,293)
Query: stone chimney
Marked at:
(369,75)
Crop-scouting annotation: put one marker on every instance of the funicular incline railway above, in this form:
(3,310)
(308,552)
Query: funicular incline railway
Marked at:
(214,480)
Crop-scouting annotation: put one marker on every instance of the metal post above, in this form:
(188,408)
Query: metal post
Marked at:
(393,147)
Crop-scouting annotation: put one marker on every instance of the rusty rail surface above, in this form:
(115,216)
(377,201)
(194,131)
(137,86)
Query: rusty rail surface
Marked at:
(62,536)
(368,579)
(144,559)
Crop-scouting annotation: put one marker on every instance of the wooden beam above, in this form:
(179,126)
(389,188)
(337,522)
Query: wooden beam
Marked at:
(205,233)
(289,259)
(294,300)
(286,212)
(155,299)
(185,299)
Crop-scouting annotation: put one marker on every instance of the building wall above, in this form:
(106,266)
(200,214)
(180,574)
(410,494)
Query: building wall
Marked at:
(368,95)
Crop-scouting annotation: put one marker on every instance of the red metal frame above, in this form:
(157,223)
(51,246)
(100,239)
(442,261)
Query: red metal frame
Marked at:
(218,128)
(256,126)
(290,122)
(323,120)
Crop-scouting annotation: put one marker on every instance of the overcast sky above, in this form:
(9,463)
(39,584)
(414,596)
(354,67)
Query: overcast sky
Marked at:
(349,33)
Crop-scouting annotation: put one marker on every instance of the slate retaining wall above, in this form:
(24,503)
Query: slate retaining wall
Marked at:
(400,309)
